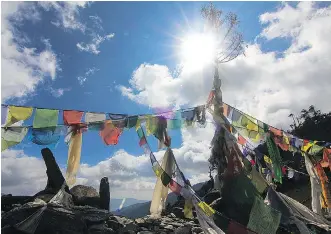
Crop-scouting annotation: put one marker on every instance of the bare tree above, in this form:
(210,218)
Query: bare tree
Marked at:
(230,41)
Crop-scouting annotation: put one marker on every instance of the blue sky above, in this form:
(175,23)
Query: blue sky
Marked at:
(146,32)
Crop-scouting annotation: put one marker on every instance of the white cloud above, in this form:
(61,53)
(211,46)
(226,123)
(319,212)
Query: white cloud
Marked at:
(67,14)
(93,46)
(22,67)
(261,83)
(58,92)
(88,73)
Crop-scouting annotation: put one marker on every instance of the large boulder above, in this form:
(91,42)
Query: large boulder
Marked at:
(80,191)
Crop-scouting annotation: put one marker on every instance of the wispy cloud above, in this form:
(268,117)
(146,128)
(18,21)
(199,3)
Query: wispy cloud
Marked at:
(67,14)
(93,46)
(88,73)
(58,92)
(97,21)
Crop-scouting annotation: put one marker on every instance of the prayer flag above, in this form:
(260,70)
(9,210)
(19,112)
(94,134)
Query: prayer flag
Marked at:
(12,136)
(117,116)
(46,136)
(175,187)
(276,132)
(206,208)
(241,140)
(72,117)
(16,114)
(237,228)
(157,169)
(45,118)
(132,121)
(151,124)
(226,110)
(4,111)
(74,154)
(110,133)
(188,116)
(263,219)
(165,178)
(142,141)
(94,117)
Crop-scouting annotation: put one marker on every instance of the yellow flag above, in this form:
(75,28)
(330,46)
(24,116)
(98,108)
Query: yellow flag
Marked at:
(188,209)
(206,208)
(151,125)
(267,159)
(74,153)
(16,114)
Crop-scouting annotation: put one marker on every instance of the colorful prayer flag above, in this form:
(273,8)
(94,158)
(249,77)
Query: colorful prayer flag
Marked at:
(175,187)
(110,133)
(45,118)
(132,121)
(94,117)
(16,114)
(12,136)
(46,136)
(206,208)
(165,178)
(263,219)
(4,112)
(72,117)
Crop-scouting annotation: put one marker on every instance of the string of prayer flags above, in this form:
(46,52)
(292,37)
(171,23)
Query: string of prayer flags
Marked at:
(110,133)
(12,136)
(263,219)
(71,117)
(16,114)
(45,118)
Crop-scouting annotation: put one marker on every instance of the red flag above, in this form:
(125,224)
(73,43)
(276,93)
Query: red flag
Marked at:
(72,117)
(175,187)
(110,133)
(241,140)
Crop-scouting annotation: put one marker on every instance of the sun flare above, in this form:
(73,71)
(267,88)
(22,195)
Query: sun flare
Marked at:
(197,51)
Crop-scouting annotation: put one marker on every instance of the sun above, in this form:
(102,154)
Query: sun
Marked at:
(197,50)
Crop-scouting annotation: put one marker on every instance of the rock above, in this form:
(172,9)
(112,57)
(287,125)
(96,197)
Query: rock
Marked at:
(178,212)
(211,196)
(146,232)
(183,230)
(196,230)
(100,229)
(104,194)
(54,174)
(80,191)
(169,227)
(129,228)
(114,225)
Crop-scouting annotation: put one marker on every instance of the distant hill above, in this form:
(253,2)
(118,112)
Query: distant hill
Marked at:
(142,209)
(116,202)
